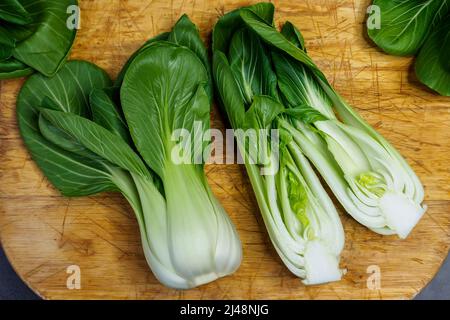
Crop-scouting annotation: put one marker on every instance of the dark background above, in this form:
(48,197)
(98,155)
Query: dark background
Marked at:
(11,287)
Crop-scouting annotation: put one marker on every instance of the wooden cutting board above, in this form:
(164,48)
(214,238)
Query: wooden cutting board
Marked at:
(43,233)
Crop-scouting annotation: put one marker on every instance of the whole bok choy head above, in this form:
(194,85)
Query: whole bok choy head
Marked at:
(76,131)
(299,216)
(367,175)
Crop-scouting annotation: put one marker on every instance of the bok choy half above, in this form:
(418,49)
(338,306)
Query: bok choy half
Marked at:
(300,218)
(87,141)
(369,177)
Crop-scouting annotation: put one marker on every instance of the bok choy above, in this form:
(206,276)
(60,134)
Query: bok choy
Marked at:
(300,218)
(405,24)
(87,141)
(417,27)
(35,35)
(433,61)
(368,176)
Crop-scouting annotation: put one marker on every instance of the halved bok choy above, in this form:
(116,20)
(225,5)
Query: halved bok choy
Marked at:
(369,177)
(300,218)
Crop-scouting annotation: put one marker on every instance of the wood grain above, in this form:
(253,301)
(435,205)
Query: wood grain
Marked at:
(43,233)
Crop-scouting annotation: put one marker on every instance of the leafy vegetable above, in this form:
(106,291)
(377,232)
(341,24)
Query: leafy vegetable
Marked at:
(299,216)
(367,175)
(433,62)
(164,90)
(75,130)
(405,24)
(37,36)
(14,12)
(68,91)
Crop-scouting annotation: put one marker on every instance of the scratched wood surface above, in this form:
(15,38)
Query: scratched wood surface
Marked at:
(44,233)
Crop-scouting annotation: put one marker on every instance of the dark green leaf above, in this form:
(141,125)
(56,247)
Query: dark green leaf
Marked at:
(228,89)
(48,47)
(62,139)
(263,111)
(163,91)
(7,44)
(279,42)
(444,56)
(12,11)
(68,90)
(297,83)
(433,62)
(5,52)
(231,22)
(105,113)
(160,37)
(98,140)
(293,35)
(251,66)
(405,24)
(271,36)
(185,33)
(12,68)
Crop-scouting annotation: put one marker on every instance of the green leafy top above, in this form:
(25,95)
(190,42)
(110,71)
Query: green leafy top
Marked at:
(405,24)
(293,35)
(184,33)
(433,62)
(164,90)
(241,65)
(251,66)
(227,25)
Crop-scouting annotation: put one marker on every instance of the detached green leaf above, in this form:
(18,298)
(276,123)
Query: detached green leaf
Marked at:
(433,62)
(68,90)
(13,11)
(48,47)
(405,24)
